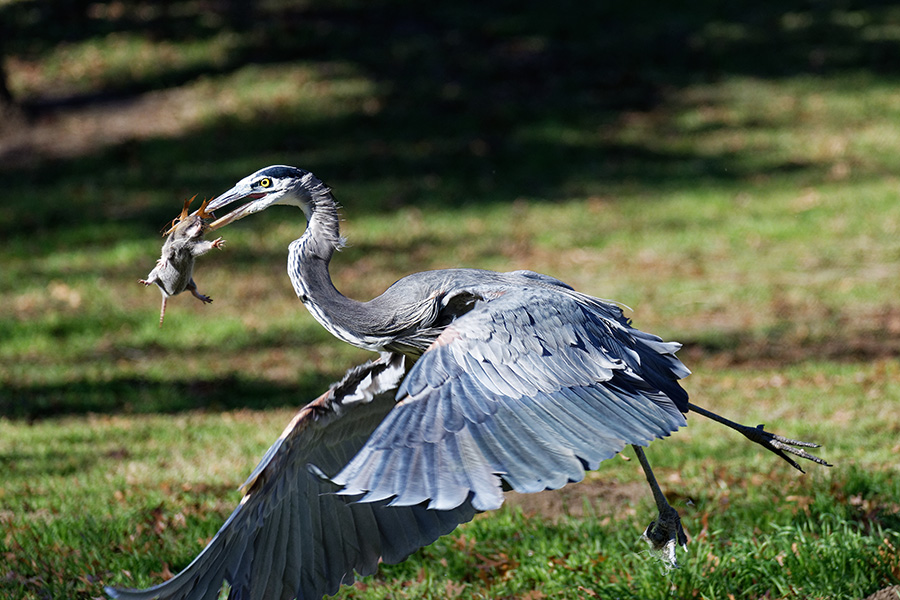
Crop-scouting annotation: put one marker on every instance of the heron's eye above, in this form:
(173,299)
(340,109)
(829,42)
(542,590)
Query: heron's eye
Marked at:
(265,182)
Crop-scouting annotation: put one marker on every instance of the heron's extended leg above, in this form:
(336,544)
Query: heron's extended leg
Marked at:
(665,534)
(781,446)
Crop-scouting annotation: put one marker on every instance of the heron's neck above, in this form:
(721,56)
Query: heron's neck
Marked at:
(323,223)
(308,260)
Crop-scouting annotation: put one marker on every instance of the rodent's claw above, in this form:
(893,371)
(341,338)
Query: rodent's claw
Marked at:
(218,243)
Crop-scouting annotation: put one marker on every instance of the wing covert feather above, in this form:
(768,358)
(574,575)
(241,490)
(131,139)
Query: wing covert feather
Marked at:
(529,388)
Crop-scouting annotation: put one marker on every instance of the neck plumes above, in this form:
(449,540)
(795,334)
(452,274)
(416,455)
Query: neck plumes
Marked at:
(322,236)
(308,259)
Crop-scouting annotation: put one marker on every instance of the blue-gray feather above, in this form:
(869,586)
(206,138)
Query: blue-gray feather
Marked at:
(292,536)
(532,386)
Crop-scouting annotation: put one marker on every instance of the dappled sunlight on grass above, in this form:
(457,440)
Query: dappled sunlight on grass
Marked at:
(727,172)
(116,59)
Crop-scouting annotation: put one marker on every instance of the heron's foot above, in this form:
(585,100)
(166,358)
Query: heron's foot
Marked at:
(665,534)
(782,446)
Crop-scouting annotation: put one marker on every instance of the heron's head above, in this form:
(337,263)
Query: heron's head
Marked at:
(278,184)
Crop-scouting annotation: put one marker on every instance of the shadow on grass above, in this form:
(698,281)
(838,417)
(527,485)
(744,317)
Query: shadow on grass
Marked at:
(791,343)
(132,395)
(475,101)
(121,185)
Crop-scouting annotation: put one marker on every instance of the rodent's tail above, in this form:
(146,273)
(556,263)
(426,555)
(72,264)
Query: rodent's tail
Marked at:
(162,311)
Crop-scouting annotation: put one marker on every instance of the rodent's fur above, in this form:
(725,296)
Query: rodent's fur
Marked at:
(173,272)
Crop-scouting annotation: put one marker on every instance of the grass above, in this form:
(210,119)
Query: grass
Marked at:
(745,208)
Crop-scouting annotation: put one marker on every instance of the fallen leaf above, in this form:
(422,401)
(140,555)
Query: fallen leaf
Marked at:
(453,589)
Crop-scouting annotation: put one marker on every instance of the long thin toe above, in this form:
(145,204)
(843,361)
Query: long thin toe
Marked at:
(777,444)
(782,446)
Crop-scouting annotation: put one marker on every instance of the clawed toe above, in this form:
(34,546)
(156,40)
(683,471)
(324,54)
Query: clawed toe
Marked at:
(782,446)
(777,444)
(665,535)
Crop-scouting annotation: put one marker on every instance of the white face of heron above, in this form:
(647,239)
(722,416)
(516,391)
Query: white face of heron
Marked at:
(273,185)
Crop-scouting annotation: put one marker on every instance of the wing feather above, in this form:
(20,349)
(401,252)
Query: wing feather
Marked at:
(273,557)
(529,387)
(292,536)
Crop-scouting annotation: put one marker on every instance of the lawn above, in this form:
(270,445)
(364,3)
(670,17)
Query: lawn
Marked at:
(730,174)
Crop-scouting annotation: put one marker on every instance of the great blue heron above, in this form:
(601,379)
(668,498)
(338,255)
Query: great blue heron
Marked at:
(486,381)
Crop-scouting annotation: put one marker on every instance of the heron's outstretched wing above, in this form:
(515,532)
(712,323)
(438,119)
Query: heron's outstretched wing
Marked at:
(291,536)
(530,388)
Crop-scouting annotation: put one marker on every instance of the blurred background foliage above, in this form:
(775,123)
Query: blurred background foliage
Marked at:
(474,101)
(710,146)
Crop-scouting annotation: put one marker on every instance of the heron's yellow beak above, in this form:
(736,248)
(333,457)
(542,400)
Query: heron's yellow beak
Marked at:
(235,194)
(239,213)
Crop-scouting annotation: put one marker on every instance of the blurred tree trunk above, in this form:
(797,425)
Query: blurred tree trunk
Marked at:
(11,114)
(5,95)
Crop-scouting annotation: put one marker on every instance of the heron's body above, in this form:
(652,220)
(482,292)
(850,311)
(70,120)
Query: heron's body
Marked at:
(410,314)
(487,380)
(432,300)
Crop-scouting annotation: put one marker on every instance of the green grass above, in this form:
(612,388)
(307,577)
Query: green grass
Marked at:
(811,554)
(730,173)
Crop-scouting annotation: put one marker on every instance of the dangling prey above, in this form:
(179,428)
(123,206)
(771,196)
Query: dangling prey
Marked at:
(173,272)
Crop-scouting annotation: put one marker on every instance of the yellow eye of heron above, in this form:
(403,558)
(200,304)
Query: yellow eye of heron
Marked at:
(265,182)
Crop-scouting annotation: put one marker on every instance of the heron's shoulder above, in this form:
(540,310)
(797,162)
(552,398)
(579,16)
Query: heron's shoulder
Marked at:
(447,280)
(530,277)
(478,285)
(533,289)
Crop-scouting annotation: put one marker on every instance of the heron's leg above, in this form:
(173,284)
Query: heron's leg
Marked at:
(665,533)
(781,446)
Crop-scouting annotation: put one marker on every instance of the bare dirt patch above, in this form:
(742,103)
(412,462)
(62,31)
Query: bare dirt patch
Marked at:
(70,131)
(603,497)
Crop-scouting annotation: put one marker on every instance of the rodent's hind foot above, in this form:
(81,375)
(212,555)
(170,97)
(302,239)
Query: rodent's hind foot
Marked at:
(201,297)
